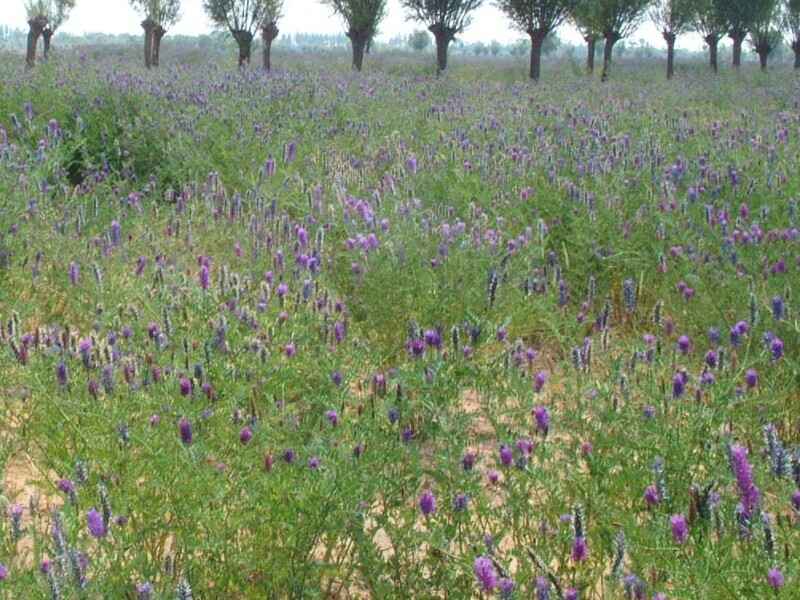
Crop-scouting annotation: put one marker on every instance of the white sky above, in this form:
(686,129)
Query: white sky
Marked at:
(116,16)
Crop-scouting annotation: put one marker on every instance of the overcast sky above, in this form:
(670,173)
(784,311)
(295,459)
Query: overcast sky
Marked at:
(116,16)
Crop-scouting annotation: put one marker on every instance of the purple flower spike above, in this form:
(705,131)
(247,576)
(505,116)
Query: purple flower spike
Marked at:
(485,573)
(333,417)
(775,579)
(506,455)
(185,429)
(427,503)
(651,496)
(580,549)
(748,492)
(776,348)
(539,380)
(144,591)
(751,378)
(245,435)
(96,525)
(542,418)
(678,385)
(680,528)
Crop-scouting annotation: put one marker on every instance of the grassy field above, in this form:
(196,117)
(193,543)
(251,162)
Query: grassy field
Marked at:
(322,335)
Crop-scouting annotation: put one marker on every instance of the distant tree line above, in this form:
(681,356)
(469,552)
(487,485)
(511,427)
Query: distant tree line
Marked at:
(763,24)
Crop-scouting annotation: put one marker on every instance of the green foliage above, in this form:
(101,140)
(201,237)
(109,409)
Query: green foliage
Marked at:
(419,41)
(449,17)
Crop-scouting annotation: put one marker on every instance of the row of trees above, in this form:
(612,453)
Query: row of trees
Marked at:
(763,22)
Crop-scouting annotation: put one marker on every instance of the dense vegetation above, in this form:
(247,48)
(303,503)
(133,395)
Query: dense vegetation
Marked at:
(318,334)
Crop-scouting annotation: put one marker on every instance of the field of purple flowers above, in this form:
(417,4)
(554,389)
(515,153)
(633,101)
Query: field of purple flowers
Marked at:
(323,335)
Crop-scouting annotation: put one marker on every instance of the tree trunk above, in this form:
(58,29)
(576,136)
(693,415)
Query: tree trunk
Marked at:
(245,41)
(149,26)
(669,37)
(712,40)
(591,48)
(738,38)
(47,36)
(443,36)
(537,41)
(796,48)
(158,34)
(35,28)
(763,56)
(268,34)
(612,37)
(359,45)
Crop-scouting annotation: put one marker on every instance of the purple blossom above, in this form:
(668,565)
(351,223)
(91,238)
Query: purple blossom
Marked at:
(542,417)
(460,502)
(144,591)
(751,378)
(204,277)
(776,348)
(506,455)
(74,273)
(485,573)
(427,503)
(186,386)
(539,380)
(542,588)
(748,492)
(506,586)
(680,528)
(185,430)
(678,385)
(468,461)
(333,417)
(775,579)
(651,496)
(245,435)
(97,526)
(580,549)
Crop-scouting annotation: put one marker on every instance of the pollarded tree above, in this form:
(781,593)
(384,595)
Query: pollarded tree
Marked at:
(37,12)
(445,20)
(585,19)
(242,18)
(740,16)
(273,11)
(537,18)
(765,33)
(159,16)
(791,23)
(58,12)
(616,19)
(710,23)
(672,17)
(362,18)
